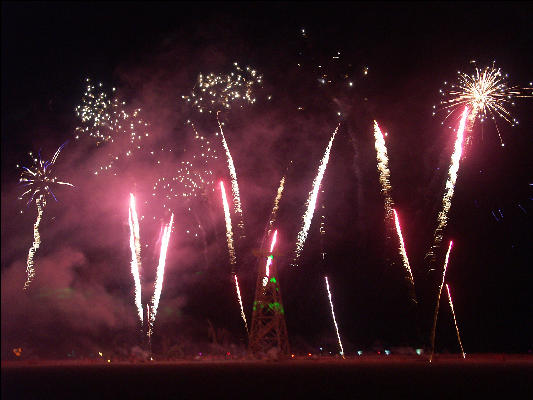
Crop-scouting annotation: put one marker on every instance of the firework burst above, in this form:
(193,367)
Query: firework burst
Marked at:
(39,182)
(105,119)
(486,93)
(311,200)
(211,94)
(215,92)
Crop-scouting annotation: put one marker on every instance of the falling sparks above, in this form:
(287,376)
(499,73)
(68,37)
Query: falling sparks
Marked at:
(193,175)
(311,201)
(39,178)
(234,183)
(450,185)
(384,173)
(105,119)
(229,231)
(240,301)
(436,313)
(334,319)
(214,92)
(39,182)
(403,252)
(158,287)
(486,93)
(135,247)
(455,321)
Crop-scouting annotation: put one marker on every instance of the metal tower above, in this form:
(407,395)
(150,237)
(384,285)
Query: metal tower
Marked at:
(269,330)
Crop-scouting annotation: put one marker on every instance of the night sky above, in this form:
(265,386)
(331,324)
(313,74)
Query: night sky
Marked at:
(82,297)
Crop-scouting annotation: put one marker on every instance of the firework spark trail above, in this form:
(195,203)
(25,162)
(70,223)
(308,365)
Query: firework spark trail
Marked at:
(234,184)
(240,301)
(435,315)
(39,181)
(30,271)
(135,247)
(149,330)
(455,321)
(276,205)
(229,231)
(231,250)
(158,287)
(384,173)
(403,252)
(450,186)
(311,201)
(270,258)
(334,319)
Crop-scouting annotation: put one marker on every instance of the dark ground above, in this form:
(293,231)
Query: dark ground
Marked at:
(477,377)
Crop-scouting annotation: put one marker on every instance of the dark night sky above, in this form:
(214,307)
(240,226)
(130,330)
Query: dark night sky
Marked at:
(153,52)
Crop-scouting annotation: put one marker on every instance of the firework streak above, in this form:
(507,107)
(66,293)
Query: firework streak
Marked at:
(435,315)
(229,231)
(30,270)
(486,93)
(455,321)
(231,250)
(334,320)
(135,246)
(403,253)
(240,301)
(276,205)
(311,200)
(234,184)
(384,173)
(450,185)
(270,258)
(160,270)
